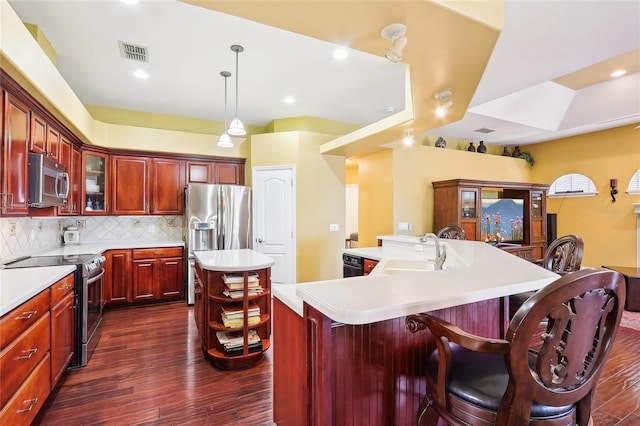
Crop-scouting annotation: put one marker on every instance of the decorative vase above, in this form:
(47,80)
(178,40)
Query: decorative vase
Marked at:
(441,143)
(505,152)
(482,149)
(516,152)
(471,147)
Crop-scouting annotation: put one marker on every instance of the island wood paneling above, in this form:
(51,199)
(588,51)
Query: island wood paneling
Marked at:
(373,374)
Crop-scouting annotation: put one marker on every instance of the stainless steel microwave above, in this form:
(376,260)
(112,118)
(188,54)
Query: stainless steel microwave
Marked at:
(48,182)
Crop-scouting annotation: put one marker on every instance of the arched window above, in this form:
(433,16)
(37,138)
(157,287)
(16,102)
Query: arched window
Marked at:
(572,185)
(634,183)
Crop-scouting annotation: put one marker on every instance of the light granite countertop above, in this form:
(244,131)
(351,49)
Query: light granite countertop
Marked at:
(474,271)
(20,284)
(232,260)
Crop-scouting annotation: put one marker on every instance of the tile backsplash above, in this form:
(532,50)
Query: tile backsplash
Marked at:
(22,235)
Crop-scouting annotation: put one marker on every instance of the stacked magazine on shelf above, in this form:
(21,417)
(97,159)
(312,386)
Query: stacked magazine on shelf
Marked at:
(233,315)
(234,285)
(233,342)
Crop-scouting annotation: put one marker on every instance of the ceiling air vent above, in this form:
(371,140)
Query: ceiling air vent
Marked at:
(484,130)
(133,52)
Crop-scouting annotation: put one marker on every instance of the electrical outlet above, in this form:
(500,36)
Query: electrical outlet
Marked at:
(418,247)
(81,224)
(152,228)
(12,229)
(334,227)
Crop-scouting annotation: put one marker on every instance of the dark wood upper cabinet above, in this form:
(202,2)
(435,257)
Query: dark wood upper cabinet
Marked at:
(167,186)
(45,138)
(226,173)
(130,185)
(215,172)
(38,139)
(14,189)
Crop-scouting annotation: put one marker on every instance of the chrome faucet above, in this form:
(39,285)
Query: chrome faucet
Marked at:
(441,253)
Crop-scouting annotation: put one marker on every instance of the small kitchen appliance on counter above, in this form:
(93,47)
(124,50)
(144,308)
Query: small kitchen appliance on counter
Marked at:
(71,235)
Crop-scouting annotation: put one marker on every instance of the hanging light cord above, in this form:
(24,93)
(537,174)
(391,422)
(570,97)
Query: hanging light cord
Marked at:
(237,51)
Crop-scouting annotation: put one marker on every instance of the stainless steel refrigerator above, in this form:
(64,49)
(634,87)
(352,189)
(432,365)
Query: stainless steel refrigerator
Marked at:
(217,217)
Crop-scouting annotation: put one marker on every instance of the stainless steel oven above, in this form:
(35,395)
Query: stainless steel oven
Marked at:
(91,303)
(89,300)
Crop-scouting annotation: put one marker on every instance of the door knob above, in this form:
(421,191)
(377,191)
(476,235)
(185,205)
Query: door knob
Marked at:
(260,240)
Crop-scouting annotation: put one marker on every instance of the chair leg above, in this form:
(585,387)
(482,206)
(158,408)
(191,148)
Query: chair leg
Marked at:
(427,415)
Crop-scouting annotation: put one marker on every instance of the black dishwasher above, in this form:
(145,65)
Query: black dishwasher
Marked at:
(352,266)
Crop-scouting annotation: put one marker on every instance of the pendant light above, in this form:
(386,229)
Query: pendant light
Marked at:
(224,141)
(236,128)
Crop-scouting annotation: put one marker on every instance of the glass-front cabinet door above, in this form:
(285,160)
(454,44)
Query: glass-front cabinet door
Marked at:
(538,217)
(469,212)
(95,183)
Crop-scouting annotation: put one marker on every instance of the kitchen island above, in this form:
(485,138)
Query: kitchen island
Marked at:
(232,306)
(350,347)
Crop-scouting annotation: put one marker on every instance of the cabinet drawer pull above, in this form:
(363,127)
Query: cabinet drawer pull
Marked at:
(27,315)
(32,404)
(31,353)
(64,287)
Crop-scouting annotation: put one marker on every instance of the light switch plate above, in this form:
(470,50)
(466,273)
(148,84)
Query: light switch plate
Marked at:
(334,227)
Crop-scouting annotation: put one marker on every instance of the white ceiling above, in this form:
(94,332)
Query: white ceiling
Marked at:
(188,47)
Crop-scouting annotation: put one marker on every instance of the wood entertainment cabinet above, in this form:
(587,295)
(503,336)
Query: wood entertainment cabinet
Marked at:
(459,202)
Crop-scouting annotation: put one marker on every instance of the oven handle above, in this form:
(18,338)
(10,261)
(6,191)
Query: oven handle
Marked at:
(96,278)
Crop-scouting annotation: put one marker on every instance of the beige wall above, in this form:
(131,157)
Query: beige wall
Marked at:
(375,192)
(395,185)
(608,229)
(320,182)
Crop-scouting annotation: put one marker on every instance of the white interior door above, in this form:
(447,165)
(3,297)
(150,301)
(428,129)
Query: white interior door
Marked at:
(274,219)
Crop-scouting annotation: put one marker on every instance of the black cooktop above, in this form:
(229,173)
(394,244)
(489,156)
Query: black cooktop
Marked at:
(59,260)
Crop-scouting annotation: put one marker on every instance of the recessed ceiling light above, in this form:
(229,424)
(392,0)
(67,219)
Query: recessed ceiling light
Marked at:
(289,100)
(340,53)
(618,73)
(141,74)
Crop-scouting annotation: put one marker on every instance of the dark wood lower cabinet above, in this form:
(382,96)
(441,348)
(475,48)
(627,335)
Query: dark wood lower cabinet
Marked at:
(138,275)
(157,273)
(117,281)
(62,336)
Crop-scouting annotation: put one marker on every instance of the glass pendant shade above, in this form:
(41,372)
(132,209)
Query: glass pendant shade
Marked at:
(224,141)
(236,128)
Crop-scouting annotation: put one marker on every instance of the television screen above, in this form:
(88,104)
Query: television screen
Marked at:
(502,220)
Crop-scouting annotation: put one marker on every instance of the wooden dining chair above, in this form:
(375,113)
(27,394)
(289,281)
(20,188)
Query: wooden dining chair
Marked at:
(538,374)
(563,256)
(452,233)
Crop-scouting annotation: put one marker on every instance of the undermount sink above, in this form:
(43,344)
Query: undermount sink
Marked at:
(409,265)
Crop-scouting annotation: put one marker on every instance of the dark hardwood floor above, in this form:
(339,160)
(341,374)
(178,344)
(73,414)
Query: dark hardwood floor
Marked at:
(148,369)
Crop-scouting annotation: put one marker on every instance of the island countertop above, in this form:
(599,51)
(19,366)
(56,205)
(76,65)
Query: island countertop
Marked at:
(232,260)
(474,271)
